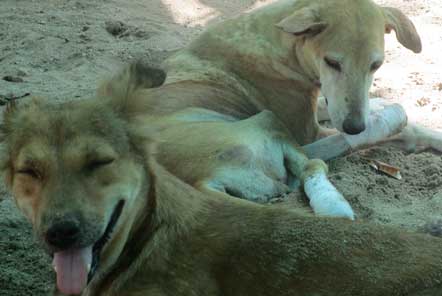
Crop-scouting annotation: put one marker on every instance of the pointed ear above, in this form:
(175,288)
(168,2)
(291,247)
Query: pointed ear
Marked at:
(302,22)
(13,107)
(405,31)
(135,76)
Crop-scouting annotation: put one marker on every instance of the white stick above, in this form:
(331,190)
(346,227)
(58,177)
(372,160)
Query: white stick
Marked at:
(381,125)
(325,199)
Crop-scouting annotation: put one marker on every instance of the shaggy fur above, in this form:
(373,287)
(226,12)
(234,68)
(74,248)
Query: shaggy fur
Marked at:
(174,240)
(239,99)
(226,121)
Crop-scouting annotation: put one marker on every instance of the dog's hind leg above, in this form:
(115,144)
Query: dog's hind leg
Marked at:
(324,198)
(257,159)
(253,185)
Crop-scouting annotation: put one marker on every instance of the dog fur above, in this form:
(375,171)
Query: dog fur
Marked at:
(79,160)
(238,101)
(227,119)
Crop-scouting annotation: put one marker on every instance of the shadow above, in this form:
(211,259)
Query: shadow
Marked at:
(203,12)
(172,24)
(233,7)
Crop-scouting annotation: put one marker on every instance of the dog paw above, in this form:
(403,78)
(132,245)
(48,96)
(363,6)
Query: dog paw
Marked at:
(382,124)
(325,199)
(332,204)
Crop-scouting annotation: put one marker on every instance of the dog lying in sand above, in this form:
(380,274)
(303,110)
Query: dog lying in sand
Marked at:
(119,224)
(238,101)
(228,120)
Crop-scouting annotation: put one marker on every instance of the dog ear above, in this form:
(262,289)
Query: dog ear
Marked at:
(302,22)
(11,123)
(405,31)
(13,107)
(135,76)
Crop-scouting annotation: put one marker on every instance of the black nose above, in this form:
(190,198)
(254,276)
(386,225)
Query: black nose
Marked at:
(353,127)
(63,234)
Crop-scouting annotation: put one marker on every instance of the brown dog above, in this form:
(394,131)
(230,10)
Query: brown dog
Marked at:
(237,100)
(119,224)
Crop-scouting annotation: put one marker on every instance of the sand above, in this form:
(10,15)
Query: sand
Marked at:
(61,49)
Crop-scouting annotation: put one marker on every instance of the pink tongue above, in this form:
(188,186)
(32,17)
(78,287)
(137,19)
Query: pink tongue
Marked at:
(72,270)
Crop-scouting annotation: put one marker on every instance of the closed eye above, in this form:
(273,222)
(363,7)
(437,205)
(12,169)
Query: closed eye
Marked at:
(375,66)
(30,172)
(335,65)
(98,163)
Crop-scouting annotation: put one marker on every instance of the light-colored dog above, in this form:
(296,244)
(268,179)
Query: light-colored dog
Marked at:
(118,224)
(227,120)
(237,100)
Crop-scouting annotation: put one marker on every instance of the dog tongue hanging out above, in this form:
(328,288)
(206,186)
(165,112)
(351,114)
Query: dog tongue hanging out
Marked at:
(72,268)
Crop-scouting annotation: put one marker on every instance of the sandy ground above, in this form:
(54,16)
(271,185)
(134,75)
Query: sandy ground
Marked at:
(62,48)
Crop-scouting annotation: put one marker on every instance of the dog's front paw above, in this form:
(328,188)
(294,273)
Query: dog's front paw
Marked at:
(331,204)
(325,199)
(381,125)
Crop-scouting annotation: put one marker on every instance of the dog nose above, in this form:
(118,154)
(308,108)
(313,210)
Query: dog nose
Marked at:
(63,234)
(353,127)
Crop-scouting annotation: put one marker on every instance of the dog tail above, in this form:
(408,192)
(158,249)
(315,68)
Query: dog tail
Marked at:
(137,75)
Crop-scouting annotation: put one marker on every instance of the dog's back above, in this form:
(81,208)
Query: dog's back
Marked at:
(232,247)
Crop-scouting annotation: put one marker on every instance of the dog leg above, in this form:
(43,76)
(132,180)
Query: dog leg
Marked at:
(382,125)
(417,138)
(412,138)
(325,199)
(248,184)
(258,160)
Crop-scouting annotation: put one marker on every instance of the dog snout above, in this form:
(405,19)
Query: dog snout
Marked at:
(353,127)
(63,233)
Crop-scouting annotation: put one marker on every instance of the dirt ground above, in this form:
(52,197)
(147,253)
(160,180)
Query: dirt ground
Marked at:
(60,49)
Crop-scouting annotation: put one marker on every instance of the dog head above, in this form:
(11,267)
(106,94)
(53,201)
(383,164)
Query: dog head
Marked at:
(341,45)
(76,174)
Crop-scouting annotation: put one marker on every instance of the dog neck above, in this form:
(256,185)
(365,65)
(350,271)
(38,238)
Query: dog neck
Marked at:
(170,208)
(288,60)
(140,235)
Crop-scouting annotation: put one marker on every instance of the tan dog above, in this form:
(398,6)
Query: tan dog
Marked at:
(118,224)
(81,171)
(237,100)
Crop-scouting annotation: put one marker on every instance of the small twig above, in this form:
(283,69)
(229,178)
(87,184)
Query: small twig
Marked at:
(10,97)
